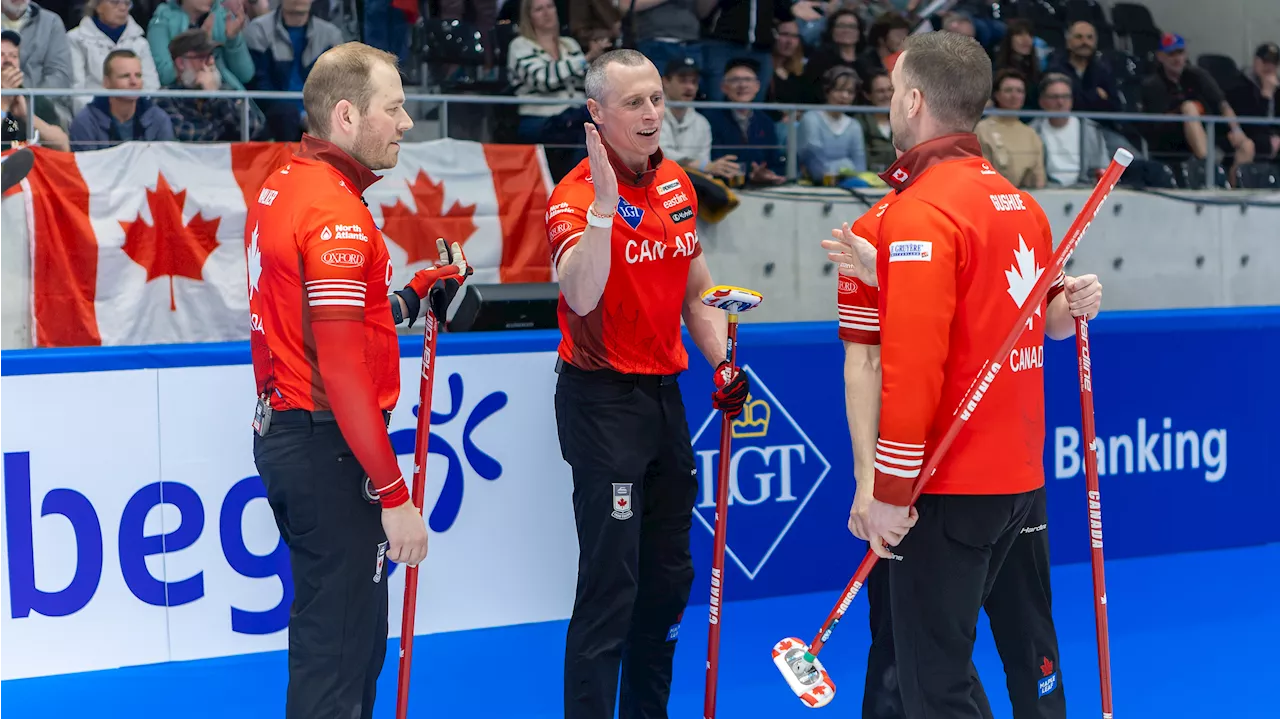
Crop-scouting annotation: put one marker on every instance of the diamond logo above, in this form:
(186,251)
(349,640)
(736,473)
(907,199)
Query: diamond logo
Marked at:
(774,471)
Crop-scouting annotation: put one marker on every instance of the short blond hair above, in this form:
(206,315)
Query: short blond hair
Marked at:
(341,73)
(953,72)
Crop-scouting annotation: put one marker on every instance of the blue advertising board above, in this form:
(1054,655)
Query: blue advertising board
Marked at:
(1182,402)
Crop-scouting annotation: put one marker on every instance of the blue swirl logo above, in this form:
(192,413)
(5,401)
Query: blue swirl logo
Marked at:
(449,504)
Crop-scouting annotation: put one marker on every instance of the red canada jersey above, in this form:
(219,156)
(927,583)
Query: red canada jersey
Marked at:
(635,328)
(314,254)
(959,251)
(857,304)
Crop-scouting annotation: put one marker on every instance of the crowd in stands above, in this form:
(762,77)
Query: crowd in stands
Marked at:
(1051,55)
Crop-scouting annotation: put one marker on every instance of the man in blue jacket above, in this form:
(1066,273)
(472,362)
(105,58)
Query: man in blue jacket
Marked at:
(284,44)
(109,121)
(749,134)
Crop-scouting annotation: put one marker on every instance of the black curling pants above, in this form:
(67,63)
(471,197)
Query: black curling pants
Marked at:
(634,487)
(338,620)
(999,547)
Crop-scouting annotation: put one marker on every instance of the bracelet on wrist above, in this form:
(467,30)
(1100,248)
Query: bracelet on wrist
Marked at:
(595,219)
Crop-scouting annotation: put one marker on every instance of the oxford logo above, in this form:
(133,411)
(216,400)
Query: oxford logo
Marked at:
(621,501)
(773,473)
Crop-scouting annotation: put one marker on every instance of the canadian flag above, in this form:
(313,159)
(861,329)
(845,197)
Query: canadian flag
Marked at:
(143,243)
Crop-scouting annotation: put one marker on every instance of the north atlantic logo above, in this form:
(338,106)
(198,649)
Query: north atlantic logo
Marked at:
(774,472)
(630,213)
(449,503)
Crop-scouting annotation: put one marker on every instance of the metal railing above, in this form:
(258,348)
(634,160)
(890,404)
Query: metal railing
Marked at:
(443,100)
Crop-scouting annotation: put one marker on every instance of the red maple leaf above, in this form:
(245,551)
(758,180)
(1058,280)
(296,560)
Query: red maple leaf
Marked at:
(1046,667)
(417,233)
(169,247)
(622,502)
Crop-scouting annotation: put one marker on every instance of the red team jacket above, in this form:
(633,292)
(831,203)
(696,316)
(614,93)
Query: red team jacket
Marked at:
(314,254)
(635,329)
(959,249)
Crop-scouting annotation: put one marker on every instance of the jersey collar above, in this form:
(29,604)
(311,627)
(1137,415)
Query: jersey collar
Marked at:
(913,163)
(313,148)
(628,176)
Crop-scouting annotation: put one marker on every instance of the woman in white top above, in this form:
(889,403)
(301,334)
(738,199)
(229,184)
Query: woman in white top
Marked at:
(544,64)
(106,26)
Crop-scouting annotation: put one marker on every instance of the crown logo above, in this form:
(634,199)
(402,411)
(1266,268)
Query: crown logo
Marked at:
(754,420)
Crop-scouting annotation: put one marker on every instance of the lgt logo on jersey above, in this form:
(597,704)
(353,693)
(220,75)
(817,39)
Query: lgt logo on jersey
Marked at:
(773,473)
(630,213)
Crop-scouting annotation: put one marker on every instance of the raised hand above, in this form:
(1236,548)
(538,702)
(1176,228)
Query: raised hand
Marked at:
(603,177)
(855,255)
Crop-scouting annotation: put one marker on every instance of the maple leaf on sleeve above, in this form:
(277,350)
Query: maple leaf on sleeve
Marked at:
(416,233)
(170,247)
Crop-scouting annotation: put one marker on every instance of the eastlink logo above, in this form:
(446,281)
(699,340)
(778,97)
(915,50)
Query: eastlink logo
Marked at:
(773,473)
(668,204)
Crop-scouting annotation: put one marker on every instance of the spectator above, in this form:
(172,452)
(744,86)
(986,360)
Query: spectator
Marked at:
(1181,89)
(16,118)
(746,134)
(109,121)
(960,24)
(105,28)
(221,21)
(876,131)
(587,14)
(46,59)
(840,49)
(811,19)
(1012,148)
(1018,52)
(544,64)
(884,39)
(284,44)
(686,134)
(386,26)
(788,84)
(738,30)
(1254,95)
(201,119)
(831,143)
(1093,88)
(1075,149)
(663,30)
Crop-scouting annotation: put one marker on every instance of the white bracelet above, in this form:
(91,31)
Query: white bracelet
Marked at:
(597,220)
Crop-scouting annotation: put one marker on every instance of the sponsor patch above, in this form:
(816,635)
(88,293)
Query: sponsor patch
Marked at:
(910,251)
(666,187)
(266,197)
(1048,684)
(326,234)
(845,285)
(675,201)
(630,213)
(621,500)
(682,214)
(559,229)
(558,209)
(382,555)
(674,632)
(344,257)
(349,232)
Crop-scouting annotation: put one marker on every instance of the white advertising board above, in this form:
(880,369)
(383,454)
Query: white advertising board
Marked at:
(157,478)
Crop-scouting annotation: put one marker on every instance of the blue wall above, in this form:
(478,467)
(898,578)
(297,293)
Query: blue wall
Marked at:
(1209,373)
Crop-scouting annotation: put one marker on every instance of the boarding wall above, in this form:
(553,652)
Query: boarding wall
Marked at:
(135,528)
